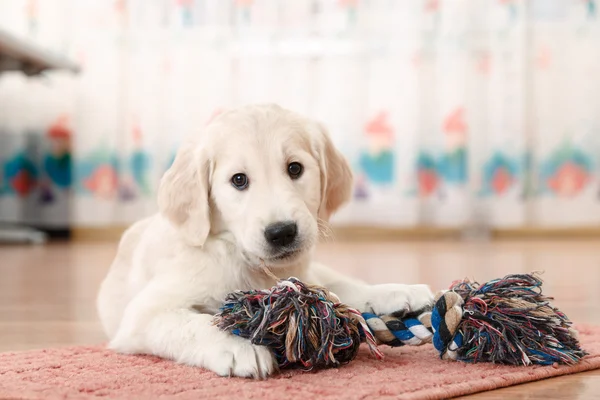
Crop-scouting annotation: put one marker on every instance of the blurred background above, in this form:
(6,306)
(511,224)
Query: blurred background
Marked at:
(455,114)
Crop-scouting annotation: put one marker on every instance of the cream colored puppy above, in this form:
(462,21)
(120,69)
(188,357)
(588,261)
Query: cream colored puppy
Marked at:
(253,188)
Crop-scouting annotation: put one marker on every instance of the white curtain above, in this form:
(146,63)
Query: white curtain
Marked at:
(452,112)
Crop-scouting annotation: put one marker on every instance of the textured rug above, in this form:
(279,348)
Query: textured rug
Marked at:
(406,373)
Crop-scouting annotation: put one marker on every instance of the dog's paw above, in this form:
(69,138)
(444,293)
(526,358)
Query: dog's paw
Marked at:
(239,357)
(398,299)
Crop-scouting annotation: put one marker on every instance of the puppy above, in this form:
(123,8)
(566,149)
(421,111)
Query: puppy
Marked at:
(254,189)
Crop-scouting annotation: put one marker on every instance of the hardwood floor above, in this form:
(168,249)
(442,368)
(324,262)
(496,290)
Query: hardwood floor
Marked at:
(47,293)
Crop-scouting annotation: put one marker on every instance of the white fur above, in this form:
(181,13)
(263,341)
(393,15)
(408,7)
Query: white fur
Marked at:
(208,241)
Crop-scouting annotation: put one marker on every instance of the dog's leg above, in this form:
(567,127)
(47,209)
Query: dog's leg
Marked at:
(380,299)
(163,324)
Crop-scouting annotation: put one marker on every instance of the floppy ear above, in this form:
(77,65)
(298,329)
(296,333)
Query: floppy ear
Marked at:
(336,176)
(183,194)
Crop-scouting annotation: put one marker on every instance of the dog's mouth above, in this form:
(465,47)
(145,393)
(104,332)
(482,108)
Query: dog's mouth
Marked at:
(280,259)
(286,255)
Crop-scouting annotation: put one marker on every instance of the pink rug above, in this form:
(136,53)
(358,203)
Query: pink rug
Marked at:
(407,373)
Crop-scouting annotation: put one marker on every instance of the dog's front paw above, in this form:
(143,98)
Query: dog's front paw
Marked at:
(239,357)
(398,299)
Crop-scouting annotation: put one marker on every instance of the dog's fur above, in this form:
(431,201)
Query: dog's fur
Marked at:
(173,270)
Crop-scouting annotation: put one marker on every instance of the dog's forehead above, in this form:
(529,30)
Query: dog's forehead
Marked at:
(242,135)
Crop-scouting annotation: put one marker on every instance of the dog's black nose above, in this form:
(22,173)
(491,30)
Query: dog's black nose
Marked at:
(281,234)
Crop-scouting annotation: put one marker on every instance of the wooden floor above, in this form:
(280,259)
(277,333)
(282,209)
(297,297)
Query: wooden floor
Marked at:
(47,293)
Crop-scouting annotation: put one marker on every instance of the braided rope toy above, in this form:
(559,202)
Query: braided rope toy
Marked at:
(506,321)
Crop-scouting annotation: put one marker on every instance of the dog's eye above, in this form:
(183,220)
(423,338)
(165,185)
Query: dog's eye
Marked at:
(295,170)
(239,181)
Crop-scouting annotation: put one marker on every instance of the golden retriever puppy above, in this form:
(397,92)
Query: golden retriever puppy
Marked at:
(252,190)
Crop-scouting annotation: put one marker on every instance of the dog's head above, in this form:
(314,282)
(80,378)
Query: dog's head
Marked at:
(266,175)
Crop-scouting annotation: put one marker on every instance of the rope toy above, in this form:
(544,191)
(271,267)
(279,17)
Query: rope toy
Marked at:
(305,326)
(506,321)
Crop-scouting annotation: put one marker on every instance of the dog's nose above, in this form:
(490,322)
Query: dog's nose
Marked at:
(281,234)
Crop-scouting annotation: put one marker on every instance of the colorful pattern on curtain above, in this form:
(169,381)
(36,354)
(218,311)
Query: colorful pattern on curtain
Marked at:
(451,111)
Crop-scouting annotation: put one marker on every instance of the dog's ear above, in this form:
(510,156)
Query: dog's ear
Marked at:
(184,192)
(336,176)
